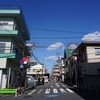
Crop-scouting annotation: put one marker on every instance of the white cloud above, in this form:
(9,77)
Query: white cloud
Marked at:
(52,58)
(72,46)
(55,46)
(92,37)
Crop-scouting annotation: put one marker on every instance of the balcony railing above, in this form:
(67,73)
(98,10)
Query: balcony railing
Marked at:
(6,50)
(5,26)
(9,51)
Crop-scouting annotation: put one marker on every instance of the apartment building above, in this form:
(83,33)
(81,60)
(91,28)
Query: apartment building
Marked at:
(13,37)
(85,70)
(67,64)
(56,72)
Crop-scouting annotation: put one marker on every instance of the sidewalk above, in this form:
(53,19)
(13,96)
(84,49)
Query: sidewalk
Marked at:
(14,94)
(87,95)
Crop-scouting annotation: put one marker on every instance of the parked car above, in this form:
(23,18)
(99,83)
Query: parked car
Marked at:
(32,83)
(46,80)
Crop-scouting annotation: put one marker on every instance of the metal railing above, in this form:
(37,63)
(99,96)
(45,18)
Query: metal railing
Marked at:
(8,27)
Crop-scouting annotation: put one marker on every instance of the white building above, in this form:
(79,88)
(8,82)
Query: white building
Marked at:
(36,70)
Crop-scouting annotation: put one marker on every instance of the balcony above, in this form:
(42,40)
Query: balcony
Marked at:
(15,12)
(7,55)
(8,30)
(12,31)
(56,74)
(55,70)
(8,52)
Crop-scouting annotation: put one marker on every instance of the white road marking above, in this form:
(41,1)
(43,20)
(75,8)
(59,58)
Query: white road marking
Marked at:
(32,92)
(69,90)
(47,91)
(63,85)
(39,91)
(62,90)
(51,86)
(55,91)
(57,84)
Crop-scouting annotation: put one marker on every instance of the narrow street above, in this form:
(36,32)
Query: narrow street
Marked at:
(52,91)
(49,50)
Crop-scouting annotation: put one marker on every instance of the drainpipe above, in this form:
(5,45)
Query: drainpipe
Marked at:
(76,76)
(9,72)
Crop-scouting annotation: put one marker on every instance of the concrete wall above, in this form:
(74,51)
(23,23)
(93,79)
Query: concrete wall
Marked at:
(91,69)
(0,78)
(3,62)
(92,82)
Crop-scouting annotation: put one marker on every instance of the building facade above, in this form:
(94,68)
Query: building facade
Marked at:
(56,72)
(13,37)
(36,70)
(85,66)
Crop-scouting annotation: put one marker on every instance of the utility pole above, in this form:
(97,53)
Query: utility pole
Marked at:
(58,57)
(60,65)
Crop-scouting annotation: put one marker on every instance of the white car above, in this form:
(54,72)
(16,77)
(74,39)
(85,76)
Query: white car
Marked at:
(32,83)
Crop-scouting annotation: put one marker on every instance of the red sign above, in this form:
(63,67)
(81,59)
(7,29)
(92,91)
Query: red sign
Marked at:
(25,58)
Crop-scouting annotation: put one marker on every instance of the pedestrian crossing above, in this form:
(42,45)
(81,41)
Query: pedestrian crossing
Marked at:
(51,91)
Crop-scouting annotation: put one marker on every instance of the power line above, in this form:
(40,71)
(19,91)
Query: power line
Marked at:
(37,16)
(55,37)
(36,58)
(53,30)
(36,13)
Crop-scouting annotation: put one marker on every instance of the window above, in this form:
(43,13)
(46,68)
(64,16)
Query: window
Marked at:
(4,23)
(34,70)
(2,47)
(28,69)
(97,51)
(7,24)
(41,70)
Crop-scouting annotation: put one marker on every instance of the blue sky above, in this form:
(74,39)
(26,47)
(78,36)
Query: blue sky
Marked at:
(57,23)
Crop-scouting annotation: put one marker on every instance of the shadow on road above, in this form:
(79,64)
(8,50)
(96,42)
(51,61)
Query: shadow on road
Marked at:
(27,96)
(87,95)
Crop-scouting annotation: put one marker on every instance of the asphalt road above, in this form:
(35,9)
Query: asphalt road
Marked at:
(53,91)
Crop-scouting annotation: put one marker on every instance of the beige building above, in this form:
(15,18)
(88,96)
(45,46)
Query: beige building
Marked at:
(56,71)
(85,70)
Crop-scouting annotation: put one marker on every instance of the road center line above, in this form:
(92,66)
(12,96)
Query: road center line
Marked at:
(32,92)
(39,91)
(57,84)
